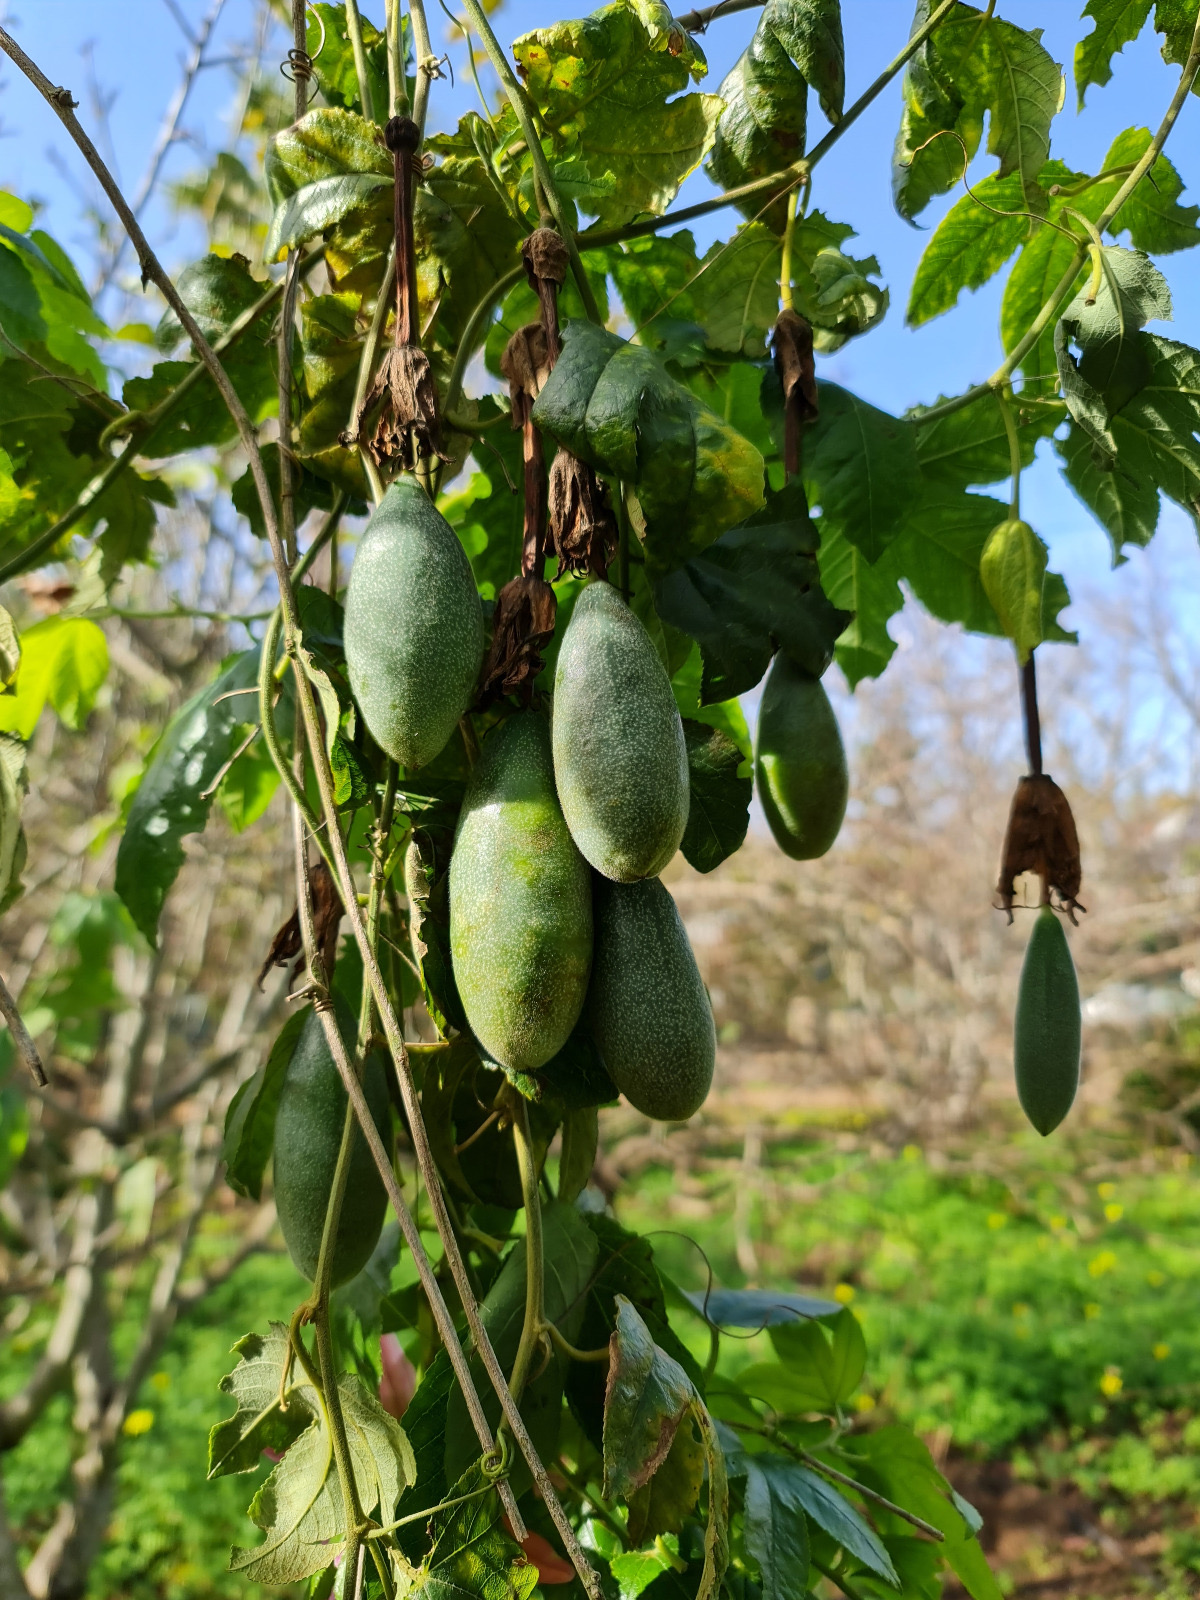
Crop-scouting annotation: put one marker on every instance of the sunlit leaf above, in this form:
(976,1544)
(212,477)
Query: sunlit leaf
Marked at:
(64,660)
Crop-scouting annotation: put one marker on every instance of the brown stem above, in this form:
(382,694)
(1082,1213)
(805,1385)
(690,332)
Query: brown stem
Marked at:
(533,542)
(1033,725)
(21,1039)
(402,137)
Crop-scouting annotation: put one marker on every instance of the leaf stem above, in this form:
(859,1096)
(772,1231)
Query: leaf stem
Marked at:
(354,30)
(785,263)
(1032,717)
(541,167)
(533,1330)
(22,1042)
(1014,452)
(572,1352)
(843,1584)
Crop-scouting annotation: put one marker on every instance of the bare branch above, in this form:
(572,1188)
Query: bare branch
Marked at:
(25,1046)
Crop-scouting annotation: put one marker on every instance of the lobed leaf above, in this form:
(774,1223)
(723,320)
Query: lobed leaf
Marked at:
(775,1530)
(236,1444)
(969,246)
(64,661)
(860,467)
(1116,24)
(603,87)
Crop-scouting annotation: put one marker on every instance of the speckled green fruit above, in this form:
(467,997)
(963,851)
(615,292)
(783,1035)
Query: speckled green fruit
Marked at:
(1046,1037)
(520,901)
(308,1136)
(413,628)
(620,760)
(799,762)
(647,1005)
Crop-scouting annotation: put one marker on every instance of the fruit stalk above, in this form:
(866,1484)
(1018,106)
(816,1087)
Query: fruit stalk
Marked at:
(532,1330)
(1029,709)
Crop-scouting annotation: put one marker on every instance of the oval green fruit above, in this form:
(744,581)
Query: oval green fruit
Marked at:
(308,1136)
(1047,1034)
(520,901)
(647,1005)
(620,760)
(413,628)
(799,762)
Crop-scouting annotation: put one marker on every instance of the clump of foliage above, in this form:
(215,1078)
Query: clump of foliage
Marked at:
(633,589)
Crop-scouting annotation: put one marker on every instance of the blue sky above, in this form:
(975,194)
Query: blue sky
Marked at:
(132,49)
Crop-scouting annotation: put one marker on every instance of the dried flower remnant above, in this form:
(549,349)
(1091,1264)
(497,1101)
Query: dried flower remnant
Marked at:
(522,624)
(1041,838)
(327,917)
(582,527)
(792,349)
(408,428)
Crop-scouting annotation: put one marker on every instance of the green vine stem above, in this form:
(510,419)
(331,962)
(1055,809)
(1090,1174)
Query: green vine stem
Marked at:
(785,260)
(287,318)
(1003,399)
(839,1582)
(397,83)
(541,167)
(476,322)
(379,867)
(354,30)
(533,1330)
(426,61)
(572,1352)
(1066,283)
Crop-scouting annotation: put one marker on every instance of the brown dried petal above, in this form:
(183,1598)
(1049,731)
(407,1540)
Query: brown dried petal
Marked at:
(327,916)
(408,423)
(545,256)
(582,526)
(526,365)
(522,623)
(1041,838)
(792,347)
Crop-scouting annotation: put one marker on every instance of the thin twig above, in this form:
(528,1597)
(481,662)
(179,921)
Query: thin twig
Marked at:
(21,1038)
(698,21)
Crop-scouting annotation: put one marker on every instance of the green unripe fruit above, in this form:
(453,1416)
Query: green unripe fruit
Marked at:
(520,901)
(647,1005)
(799,762)
(308,1136)
(413,628)
(1046,1037)
(620,760)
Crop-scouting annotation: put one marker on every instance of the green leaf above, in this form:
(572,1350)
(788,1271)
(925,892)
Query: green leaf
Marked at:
(328,42)
(719,804)
(173,797)
(300,1507)
(1152,215)
(236,1444)
(250,1120)
(603,87)
(663,1505)
(860,467)
(762,127)
(830,1510)
(970,445)
(973,64)
(1155,432)
(1176,20)
(301,216)
(1117,23)
(614,406)
(1125,507)
(817,1374)
(648,1396)
(467,238)
(473,1557)
(326,143)
(969,246)
(775,1530)
(64,660)
(899,1466)
(757,1308)
(755,590)
(871,594)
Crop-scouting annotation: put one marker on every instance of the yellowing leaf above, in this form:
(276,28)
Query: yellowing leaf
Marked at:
(63,660)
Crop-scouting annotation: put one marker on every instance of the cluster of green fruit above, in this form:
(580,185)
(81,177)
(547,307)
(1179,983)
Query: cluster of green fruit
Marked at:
(557,912)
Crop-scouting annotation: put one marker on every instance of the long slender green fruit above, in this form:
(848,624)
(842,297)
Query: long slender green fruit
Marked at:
(413,628)
(1047,1033)
(308,1136)
(520,901)
(800,762)
(620,758)
(647,1004)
